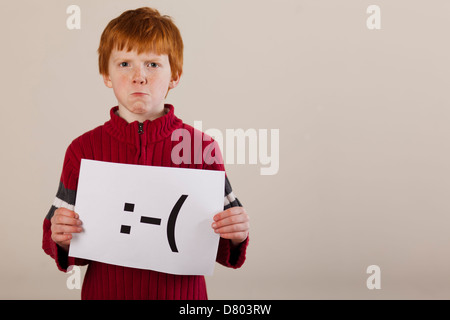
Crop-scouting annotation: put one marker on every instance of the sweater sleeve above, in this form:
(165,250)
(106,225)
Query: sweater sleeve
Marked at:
(65,197)
(227,255)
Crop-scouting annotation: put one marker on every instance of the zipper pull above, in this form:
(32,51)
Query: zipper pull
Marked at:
(141,128)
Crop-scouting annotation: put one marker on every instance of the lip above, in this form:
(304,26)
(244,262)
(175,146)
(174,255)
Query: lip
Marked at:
(139,94)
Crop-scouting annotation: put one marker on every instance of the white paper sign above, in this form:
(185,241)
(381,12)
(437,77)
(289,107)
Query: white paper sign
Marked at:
(148,217)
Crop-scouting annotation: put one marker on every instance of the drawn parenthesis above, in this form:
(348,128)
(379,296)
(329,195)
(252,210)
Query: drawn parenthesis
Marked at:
(172,221)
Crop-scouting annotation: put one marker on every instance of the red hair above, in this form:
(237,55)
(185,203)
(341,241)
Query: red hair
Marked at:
(143,30)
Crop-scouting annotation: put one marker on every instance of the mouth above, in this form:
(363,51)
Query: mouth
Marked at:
(139,94)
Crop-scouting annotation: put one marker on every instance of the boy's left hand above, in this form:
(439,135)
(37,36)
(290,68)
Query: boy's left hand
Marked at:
(232,224)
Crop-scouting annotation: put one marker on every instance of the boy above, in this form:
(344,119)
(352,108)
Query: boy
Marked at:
(140,58)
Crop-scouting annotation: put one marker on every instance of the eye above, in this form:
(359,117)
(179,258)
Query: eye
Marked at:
(124,64)
(153,65)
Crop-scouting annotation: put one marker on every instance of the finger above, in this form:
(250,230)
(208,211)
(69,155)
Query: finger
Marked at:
(229,212)
(66,212)
(63,219)
(239,227)
(63,228)
(65,216)
(230,220)
(62,238)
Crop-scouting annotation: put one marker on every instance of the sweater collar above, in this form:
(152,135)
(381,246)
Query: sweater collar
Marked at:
(143,133)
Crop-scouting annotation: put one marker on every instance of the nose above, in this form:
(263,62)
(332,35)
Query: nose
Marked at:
(139,77)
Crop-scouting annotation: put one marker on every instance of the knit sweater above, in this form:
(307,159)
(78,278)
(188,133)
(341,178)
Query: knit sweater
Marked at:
(147,143)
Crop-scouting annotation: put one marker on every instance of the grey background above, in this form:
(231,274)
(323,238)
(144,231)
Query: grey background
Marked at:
(364,137)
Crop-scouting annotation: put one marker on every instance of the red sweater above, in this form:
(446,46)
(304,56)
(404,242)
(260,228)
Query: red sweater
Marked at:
(147,143)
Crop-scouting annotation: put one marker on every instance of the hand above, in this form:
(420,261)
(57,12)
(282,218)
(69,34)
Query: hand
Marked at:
(232,224)
(64,223)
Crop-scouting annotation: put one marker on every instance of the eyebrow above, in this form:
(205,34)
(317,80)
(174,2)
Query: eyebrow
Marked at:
(150,58)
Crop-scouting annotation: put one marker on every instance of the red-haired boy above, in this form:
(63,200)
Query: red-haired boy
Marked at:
(141,59)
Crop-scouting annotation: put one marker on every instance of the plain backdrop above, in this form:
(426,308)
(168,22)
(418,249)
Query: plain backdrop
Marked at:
(363,117)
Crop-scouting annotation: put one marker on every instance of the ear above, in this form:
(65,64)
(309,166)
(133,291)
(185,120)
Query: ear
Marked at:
(174,82)
(107,81)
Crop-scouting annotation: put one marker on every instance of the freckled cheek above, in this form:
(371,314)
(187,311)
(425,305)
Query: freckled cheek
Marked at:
(120,87)
(125,79)
(123,83)
(159,85)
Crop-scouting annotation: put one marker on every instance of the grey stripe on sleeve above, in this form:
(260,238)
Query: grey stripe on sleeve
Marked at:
(230,200)
(64,198)
(66,195)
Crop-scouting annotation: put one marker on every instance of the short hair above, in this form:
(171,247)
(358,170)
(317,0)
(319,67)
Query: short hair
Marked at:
(144,30)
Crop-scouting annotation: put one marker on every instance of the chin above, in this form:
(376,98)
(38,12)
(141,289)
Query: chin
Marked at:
(139,108)
(142,109)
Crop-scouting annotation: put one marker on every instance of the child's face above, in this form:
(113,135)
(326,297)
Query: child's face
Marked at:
(140,83)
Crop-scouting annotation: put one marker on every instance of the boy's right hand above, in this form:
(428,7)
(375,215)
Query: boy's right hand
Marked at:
(64,223)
